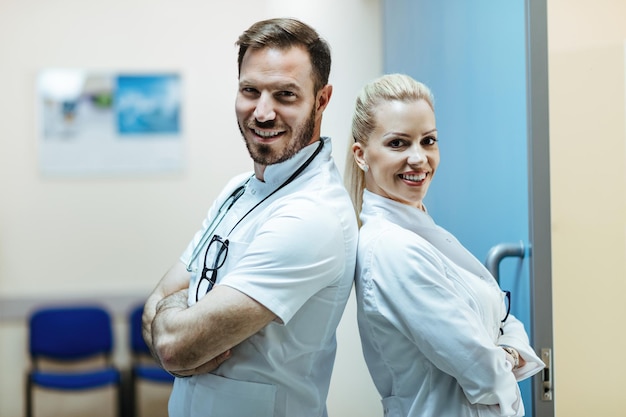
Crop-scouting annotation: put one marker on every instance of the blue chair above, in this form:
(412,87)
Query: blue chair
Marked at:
(143,366)
(70,335)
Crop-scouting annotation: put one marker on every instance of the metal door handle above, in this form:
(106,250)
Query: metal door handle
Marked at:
(501,251)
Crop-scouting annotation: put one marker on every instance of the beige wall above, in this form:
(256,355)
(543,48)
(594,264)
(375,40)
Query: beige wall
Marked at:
(113,238)
(588,182)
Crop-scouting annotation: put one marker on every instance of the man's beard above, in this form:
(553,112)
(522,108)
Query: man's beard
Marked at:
(265,155)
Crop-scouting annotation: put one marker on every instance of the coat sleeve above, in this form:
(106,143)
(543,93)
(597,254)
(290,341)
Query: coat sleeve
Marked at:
(514,335)
(417,295)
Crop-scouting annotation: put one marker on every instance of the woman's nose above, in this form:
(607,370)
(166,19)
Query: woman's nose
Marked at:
(264,109)
(416,156)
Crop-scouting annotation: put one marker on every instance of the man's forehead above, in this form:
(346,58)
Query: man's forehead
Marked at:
(273,65)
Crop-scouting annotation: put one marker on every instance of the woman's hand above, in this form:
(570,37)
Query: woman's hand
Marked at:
(513,356)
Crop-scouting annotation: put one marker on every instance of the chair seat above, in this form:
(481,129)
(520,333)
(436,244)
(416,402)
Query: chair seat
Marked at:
(152,373)
(76,380)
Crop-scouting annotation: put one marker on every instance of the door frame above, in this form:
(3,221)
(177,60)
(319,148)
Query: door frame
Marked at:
(539,198)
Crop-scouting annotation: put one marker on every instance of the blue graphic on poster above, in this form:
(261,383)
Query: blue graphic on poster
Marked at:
(147,104)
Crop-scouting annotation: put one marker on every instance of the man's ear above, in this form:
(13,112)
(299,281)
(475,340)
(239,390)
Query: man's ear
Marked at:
(323,97)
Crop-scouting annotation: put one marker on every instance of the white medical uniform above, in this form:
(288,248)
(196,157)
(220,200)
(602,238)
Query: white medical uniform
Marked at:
(429,316)
(295,254)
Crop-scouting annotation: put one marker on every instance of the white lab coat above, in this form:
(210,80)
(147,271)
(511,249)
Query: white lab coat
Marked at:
(430,318)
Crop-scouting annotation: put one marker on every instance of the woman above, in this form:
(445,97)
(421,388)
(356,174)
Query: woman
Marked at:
(435,330)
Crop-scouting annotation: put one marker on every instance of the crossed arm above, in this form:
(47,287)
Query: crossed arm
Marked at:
(194,340)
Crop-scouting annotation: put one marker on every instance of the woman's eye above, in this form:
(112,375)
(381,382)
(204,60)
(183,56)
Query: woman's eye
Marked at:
(429,140)
(396,143)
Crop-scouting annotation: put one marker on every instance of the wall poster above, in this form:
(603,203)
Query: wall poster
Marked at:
(108,123)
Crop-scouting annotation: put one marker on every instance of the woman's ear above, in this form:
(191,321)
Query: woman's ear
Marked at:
(359,156)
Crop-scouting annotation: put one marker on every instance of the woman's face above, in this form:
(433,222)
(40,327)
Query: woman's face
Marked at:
(402,152)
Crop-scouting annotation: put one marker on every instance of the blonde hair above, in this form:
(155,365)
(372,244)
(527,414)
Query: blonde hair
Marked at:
(389,87)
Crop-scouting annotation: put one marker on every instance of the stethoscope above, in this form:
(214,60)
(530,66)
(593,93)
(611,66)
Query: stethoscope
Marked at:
(226,205)
(233,197)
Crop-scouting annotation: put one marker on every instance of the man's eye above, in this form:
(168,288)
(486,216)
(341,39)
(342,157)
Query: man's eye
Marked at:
(249,91)
(286,94)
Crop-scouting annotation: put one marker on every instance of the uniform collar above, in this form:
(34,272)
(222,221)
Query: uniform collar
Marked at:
(276,174)
(420,223)
(403,215)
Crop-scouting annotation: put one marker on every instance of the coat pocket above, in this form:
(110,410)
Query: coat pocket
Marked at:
(216,396)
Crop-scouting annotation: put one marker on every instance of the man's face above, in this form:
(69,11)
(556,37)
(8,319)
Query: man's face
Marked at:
(276,106)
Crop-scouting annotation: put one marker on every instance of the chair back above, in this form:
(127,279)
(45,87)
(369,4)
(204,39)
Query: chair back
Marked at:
(70,332)
(137,344)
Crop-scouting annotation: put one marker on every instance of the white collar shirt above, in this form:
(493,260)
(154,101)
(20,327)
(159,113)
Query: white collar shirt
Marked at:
(295,254)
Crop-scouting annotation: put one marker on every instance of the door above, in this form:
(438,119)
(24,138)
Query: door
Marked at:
(473,56)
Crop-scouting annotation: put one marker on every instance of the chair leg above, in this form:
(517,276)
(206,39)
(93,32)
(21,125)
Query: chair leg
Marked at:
(121,409)
(29,397)
(132,394)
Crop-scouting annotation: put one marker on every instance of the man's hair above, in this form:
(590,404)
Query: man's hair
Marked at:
(284,33)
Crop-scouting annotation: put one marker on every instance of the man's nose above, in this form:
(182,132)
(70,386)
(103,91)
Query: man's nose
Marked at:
(264,110)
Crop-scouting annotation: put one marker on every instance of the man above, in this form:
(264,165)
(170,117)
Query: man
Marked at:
(246,320)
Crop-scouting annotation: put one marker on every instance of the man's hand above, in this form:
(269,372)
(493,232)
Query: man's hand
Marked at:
(176,279)
(177,302)
(170,305)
